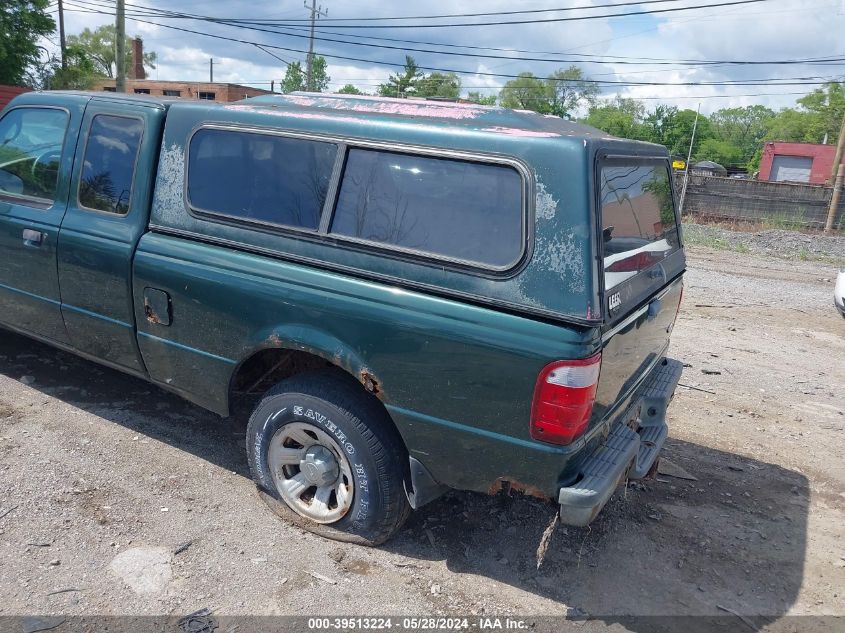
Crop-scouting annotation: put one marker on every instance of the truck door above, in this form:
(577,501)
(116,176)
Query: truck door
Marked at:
(37,143)
(108,210)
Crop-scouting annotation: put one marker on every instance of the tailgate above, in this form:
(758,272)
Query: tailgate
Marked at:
(642,278)
(633,346)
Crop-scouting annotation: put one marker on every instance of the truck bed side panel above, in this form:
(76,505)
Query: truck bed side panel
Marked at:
(457,379)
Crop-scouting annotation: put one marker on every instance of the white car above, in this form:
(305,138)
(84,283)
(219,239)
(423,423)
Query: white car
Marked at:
(839,292)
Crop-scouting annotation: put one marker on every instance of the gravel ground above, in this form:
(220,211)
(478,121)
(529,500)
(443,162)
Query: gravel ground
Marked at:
(772,242)
(121,499)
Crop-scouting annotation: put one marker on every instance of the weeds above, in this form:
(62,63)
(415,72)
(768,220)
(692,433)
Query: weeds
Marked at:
(714,242)
(785,221)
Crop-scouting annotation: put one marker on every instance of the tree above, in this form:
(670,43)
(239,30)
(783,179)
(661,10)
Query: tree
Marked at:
(561,93)
(826,107)
(790,124)
(400,84)
(672,128)
(349,89)
(319,76)
(294,78)
(620,117)
(569,90)
(445,85)
(477,97)
(78,72)
(296,81)
(526,92)
(22,22)
(743,129)
(99,47)
(722,152)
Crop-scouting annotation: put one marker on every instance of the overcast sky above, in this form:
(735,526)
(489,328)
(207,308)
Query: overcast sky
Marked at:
(767,30)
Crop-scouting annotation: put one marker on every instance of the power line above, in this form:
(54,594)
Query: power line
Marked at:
(622,61)
(271,54)
(728,3)
(829,60)
(795,81)
(490,13)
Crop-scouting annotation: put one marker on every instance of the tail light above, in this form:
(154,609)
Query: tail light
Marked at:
(563,399)
(638,261)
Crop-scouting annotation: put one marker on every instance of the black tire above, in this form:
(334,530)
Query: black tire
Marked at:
(377,455)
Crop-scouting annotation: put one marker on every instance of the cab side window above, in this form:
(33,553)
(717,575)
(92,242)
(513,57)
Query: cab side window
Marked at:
(109,166)
(31,143)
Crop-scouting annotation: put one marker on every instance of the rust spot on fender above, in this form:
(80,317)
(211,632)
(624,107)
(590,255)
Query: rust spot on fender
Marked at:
(274,340)
(505,484)
(370,382)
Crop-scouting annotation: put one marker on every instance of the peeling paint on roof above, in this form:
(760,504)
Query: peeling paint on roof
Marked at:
(291,114)
(346,99)
(396,106)
(514,131)
(385,105)
(409,108)
(301,100)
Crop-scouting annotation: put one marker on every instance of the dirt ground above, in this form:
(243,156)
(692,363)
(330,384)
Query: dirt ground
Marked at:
(118,498)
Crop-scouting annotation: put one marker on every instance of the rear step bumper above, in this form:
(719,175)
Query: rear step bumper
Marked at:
(625,452)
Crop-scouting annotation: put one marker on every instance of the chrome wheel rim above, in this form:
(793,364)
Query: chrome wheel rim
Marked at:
(311,472)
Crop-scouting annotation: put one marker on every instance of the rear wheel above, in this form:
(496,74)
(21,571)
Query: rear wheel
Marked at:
(326,457)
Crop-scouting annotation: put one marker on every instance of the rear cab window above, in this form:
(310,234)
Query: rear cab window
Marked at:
(639,228)
(108,169)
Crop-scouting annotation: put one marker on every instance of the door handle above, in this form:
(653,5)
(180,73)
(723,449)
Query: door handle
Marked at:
(33,238)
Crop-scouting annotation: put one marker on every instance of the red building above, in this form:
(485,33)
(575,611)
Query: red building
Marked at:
(797,162)
(7,93)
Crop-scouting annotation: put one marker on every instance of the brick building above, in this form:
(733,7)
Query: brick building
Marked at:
(797,162)
(186,89)
(137,82)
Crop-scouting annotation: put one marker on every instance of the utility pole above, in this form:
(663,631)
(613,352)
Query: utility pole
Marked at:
(62,44)
(837,157)
(834,198)
(689,158)
(211,70)
(120,47)
(837,176)
(316,13)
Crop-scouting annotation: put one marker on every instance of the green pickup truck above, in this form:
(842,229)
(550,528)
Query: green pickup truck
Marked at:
(409,296)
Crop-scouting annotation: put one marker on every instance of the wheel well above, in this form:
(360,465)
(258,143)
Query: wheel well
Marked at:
(267,367)
(264,369)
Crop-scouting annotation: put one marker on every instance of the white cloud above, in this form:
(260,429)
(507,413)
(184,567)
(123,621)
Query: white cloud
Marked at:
(788,29)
